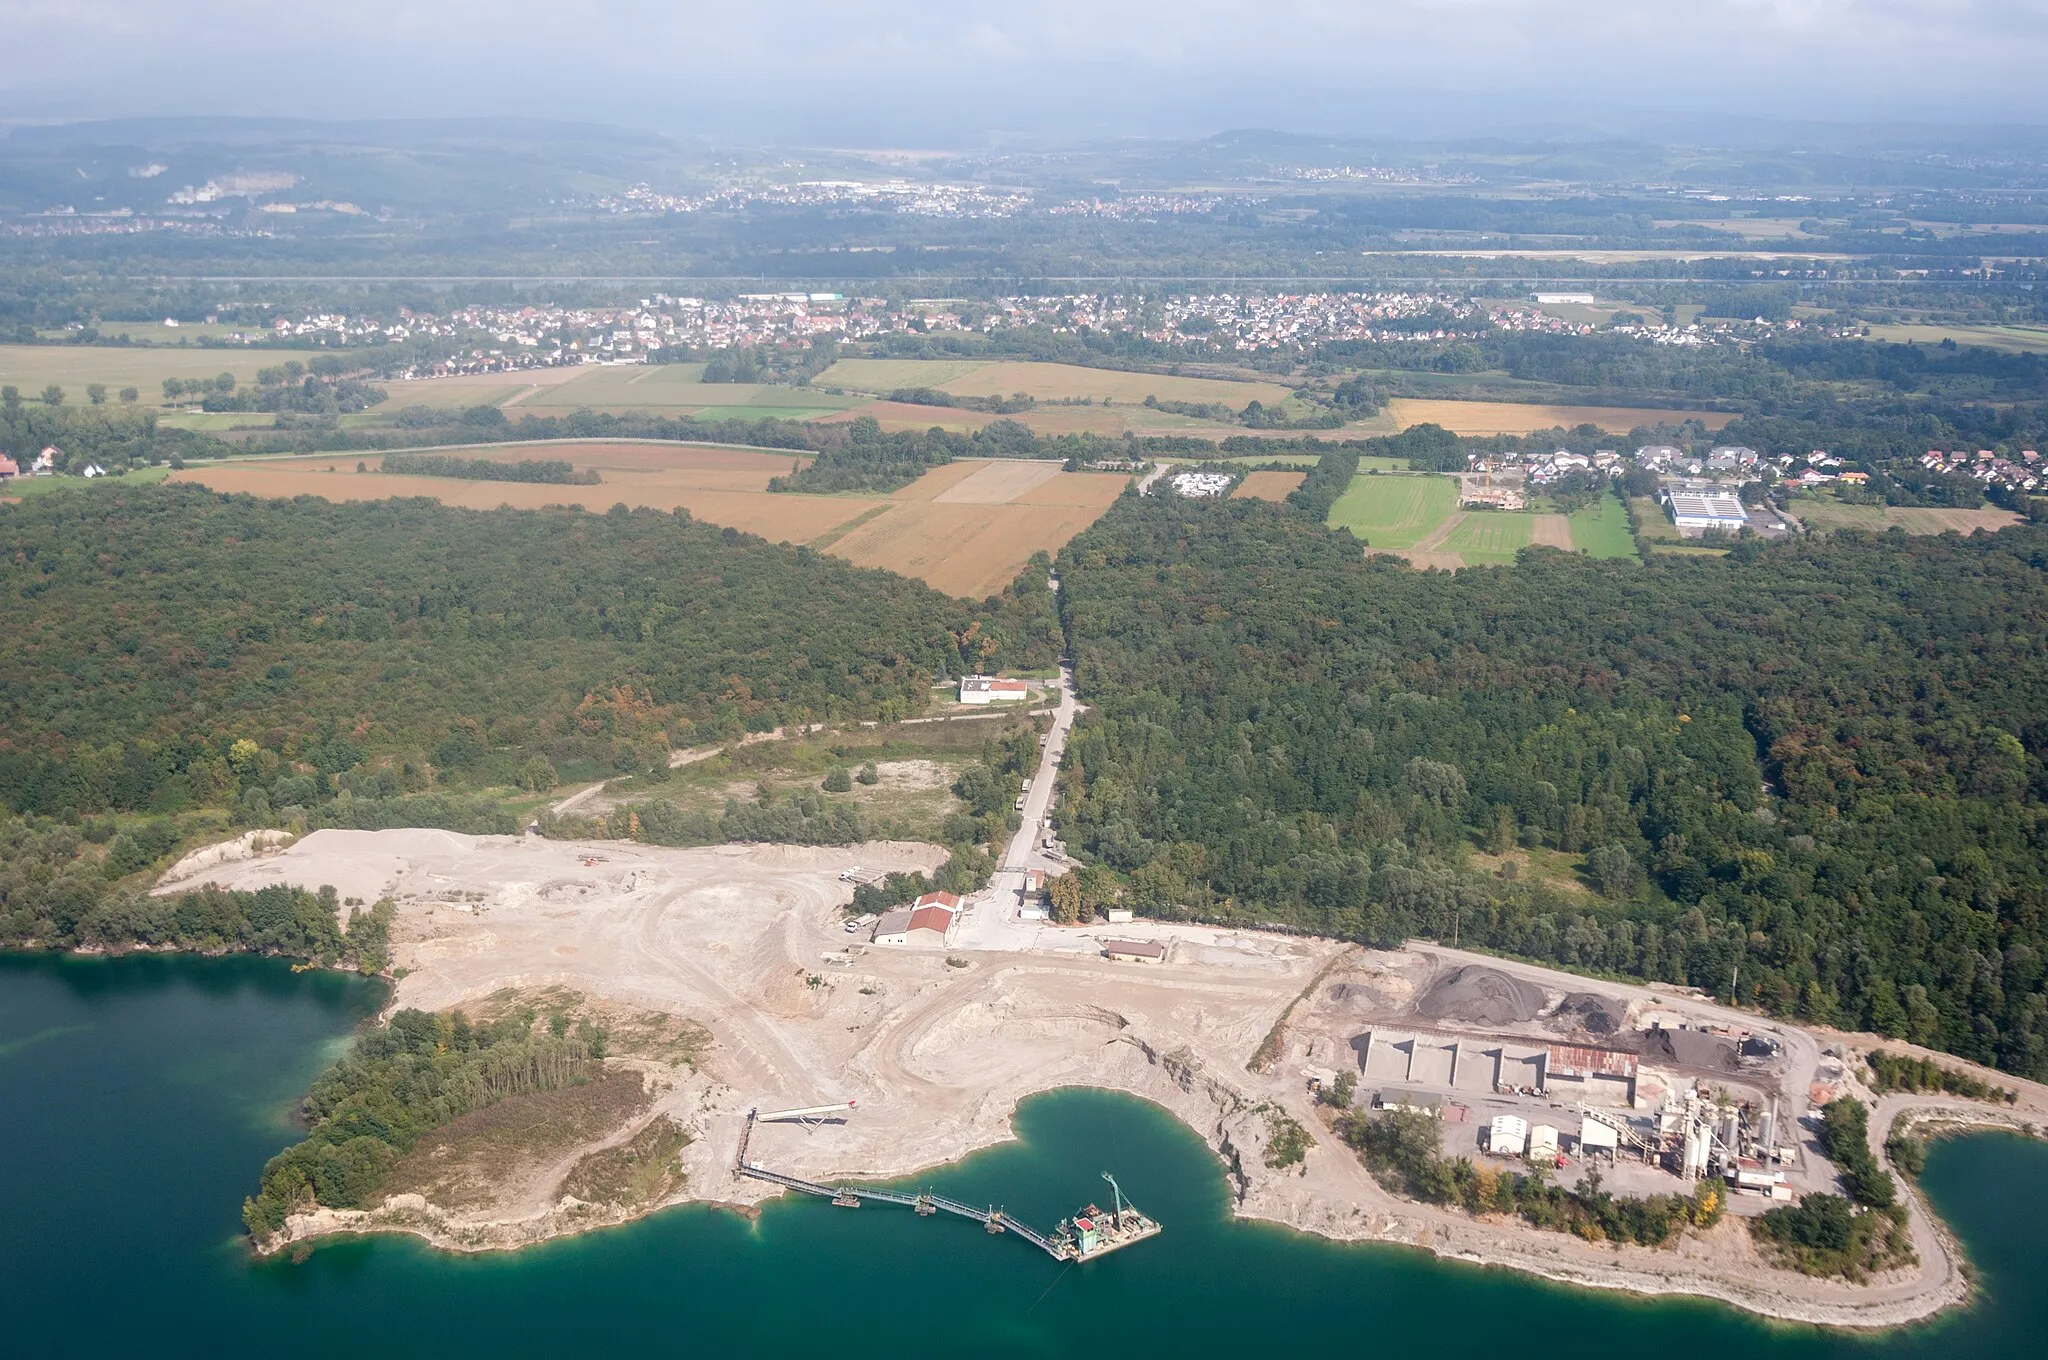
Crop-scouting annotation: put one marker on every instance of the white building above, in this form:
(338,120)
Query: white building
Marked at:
(1706,509)
(1542,1143)
(989,689)
(1508,1136)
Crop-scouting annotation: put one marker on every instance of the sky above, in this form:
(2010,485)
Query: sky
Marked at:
(948,71)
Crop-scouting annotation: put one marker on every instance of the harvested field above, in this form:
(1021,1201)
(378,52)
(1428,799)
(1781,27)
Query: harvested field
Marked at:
(966,550)
(938,480)
(779,518)
(476,389)
(903,415)
(1550,531)
(1518,418)
(1045,420)
(1830,514)
(1049,382)
(1268,486)
(967,528)
(1392,511)
(687,460)
(33,367)
(998,483)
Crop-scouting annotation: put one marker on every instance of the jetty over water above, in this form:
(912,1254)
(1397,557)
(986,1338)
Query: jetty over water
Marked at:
(1098,1235)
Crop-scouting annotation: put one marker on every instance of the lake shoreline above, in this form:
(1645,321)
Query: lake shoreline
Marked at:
(1898,1300)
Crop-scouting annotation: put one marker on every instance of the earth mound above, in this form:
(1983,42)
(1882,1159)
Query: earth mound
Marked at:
(1477,995)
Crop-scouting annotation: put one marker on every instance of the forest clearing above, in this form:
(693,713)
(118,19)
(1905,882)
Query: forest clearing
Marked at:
(1268,485)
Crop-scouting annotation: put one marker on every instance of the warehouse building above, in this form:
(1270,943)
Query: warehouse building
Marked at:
(927,921)
(1597,1076)
(989,689)
(1706,509)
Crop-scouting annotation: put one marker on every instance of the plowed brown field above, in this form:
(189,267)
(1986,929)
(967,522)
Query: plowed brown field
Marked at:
(1268,486)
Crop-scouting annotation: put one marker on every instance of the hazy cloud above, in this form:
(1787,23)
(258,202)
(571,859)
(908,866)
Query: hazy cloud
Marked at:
(974,64)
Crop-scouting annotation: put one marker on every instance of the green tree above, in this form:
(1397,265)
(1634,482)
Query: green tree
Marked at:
(1344,1089)
(53,395)
(838,780)
(96,393)
(869,774)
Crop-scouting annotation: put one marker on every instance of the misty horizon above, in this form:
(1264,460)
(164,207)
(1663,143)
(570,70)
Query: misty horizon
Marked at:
(907,72)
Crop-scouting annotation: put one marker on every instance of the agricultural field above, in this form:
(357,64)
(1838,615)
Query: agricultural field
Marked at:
(1489,538)
(956,537)
(1054,382)
(33,367)
(1268,486)
(1519,418)
(2012,339)
(882,376)
(1655,525)
(1823,512)
(675,389)
(1601,529)
(1394,512)
(15,488)
(967,528)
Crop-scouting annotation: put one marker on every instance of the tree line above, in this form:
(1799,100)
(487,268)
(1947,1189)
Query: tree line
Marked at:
(554,471)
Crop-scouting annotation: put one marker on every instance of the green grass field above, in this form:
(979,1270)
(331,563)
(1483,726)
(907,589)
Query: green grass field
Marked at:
(32,367)
(1489,538)
(219,420)
(1601,529)
(882,376)
(1396,512)
(2012,339)
(48,486)
(1656,525)
(766,412)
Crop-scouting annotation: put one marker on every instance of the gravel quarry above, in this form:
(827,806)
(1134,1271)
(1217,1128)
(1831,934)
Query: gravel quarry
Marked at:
(745,946)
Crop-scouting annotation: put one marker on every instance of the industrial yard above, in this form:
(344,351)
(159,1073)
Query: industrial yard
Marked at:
(1232,1030)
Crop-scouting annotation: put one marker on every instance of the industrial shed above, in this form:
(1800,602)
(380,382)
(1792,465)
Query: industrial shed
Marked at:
(1598,1076)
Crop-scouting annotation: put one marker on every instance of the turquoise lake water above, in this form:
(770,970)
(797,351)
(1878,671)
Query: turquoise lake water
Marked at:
(139,1099)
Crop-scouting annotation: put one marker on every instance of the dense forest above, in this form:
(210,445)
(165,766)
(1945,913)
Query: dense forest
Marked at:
(166,647)
(1812,771)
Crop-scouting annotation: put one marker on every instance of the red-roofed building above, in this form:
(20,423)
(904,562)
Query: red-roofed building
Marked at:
(928,920)
(8,467)
(988,689)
